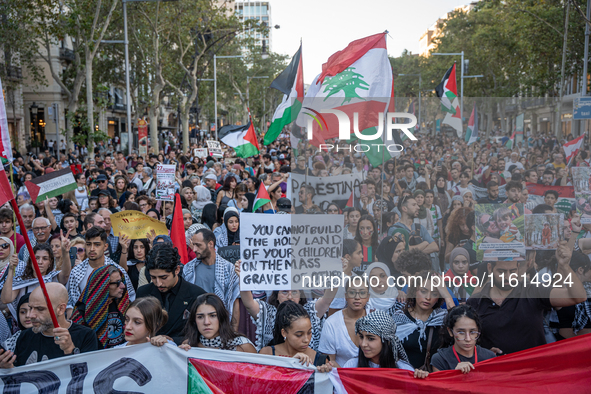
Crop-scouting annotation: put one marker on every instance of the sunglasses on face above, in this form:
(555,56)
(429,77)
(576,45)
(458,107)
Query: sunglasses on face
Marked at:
(116,283)
(78,250)
(5,246)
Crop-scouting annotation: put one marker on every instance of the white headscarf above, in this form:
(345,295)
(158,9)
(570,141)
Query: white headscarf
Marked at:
(4,262)
(385,300)
(202,197)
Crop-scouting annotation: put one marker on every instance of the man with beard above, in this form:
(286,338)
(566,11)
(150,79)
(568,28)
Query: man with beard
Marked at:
(210,271)
(492,189)
(174,293)
(493,168)
(420,237)
(512,312)
(44,342)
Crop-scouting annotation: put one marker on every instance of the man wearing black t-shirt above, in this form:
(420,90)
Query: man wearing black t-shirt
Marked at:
(44,342)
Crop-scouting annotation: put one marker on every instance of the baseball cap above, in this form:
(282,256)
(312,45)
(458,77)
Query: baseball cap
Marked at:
(209,164)
(211,176)
(131,171)
(284,205)
(104,193)
(101,177)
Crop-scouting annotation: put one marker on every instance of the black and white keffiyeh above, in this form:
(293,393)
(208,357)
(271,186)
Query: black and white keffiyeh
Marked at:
(216,342)
(226,284)
(583,310)
(265,323)
(406,326)
(382,324)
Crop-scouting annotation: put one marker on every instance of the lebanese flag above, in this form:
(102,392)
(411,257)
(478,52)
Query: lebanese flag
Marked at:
(242,138)
(566,196)
(447,91)
(177,230)
(5,146)
(357,79)
(291,83)
(572,148)
(262,197)
(527,371)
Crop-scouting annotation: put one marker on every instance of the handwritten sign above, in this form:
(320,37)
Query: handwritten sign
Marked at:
(317,244)
(230,253)
(200,153)
(215,149)
(136,225)
(265,248)
(165,182)
(326,189)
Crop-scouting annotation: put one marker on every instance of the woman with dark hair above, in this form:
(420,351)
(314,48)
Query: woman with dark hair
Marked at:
(458,338)
(456,230)
(239,200)
(105,200)
(292,335)
(226,193)
(391,247)
(153,213)
(81,191)
(120,185)
(441,197)
(379,347)
(421,318)
(367,236)
(209,326)
(127,196)
(352,221)
(209,216)
(103,304)
(22,281)
(263,313)
(229,232)
(24,321)
(333,209)
(136,259)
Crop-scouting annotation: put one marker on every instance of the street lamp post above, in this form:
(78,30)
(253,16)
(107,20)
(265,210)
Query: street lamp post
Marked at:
(420,84)
(34,108)
(215,88)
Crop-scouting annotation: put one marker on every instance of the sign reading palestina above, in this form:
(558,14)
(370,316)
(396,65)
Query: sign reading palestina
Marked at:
(136,225)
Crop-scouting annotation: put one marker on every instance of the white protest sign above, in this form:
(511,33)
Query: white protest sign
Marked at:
(165,174)
(317,244)
(326,189)
(265,248)
(215,149)
(200,153)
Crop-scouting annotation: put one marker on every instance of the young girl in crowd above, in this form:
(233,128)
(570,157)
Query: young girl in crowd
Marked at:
(419,322)
(292,335)
(24,322)
(144,317)
(459,274)
(229,232)
(382,296)
(458,337)
(391,247)
(209,326)
(263,313)
(352,220)
(379,347)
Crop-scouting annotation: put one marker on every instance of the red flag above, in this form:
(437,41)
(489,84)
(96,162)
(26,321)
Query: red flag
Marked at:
(177,230)
(5,189)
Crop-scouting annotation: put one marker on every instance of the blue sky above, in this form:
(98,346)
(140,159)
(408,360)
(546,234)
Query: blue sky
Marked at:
(326,26)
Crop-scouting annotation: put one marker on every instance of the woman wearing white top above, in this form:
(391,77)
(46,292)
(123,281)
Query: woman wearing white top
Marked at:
(338,339)
(378,345)
(81,191)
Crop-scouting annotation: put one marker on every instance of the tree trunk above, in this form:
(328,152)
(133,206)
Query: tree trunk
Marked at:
(153,118)
(89,106)
(558,131)
(185,122)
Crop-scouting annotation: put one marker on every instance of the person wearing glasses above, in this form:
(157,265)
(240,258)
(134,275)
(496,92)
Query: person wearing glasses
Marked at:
(458,338)
(333,209)
(103,184)
(103,304)
(41,233)
(338,339)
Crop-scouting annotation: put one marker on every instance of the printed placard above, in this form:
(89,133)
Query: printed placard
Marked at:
(499,232)
(165,188)
(543,231)
(215,149)
(200,153)
(581,183)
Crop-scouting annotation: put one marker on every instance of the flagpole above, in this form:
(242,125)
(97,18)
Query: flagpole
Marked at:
(34,261)
(13,218)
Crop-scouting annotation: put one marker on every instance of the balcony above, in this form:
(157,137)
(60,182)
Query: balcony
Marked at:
(67,54)
(14,73)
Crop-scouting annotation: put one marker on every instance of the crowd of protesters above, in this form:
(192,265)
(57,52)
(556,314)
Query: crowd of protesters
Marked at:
(412,216)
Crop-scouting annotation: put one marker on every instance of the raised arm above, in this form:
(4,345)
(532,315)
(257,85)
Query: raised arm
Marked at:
(247,299)
(571,293)
(64,274)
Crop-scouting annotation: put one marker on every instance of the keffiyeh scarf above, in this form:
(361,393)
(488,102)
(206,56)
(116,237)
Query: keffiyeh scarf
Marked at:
(381,324)
(406,326)
(216,342)
(583,310)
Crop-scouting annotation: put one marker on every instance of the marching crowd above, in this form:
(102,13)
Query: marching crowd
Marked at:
(411,216)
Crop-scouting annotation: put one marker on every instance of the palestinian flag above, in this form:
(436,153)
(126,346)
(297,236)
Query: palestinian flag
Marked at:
(51,185)
(472,130)
(291,83)
(177,229)
(212,377)
(357,79)
(447,91)
(351,201)
(5,146)
(509,142)
(262,197)
(242,138)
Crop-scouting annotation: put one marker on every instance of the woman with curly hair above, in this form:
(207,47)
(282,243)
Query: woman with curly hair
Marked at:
(456,230)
